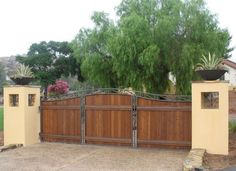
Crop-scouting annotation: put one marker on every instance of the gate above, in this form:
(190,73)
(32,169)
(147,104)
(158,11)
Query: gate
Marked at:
(118,118)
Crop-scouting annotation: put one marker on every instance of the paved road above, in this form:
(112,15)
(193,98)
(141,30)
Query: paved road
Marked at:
(230,169)
(69,157)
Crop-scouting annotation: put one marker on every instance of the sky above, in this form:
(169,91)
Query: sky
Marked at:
(23,22)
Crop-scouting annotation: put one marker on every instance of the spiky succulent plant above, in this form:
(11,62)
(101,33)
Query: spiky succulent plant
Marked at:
(210,63)
(23,71)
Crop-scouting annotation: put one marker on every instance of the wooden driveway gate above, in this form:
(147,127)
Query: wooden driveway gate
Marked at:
(117,119)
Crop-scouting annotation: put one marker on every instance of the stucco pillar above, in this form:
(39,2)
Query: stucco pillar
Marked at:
(210,116)
(21,114)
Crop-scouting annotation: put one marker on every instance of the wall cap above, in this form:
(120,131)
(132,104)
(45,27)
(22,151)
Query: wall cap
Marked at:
(24,86)
(221,81)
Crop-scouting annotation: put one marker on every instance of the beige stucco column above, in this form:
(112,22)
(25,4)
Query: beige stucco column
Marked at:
(21,114)
(210,116)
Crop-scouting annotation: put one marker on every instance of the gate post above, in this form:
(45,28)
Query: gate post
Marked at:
(82,119)
(134,121)
(210,116)
(21,114)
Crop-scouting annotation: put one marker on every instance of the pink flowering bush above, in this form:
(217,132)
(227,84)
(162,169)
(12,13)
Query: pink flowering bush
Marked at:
(59,88)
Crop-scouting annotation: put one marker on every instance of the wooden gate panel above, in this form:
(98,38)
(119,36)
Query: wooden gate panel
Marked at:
(61,120)
(108,119)
(163,123)
(108,127)
(108,99)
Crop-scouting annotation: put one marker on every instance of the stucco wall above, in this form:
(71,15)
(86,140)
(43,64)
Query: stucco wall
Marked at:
(210,126)
(14,128)
(230,75)
(21,123)
(32,117)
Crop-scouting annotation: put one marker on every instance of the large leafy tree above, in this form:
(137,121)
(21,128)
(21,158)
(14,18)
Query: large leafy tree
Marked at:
(151,39)
(92,49)
(50,61)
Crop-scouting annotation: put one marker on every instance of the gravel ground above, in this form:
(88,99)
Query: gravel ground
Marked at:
(63,157)
(218,162)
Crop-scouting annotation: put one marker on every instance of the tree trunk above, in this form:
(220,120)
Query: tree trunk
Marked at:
(45,93)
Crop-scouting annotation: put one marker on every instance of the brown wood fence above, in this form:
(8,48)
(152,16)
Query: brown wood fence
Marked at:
(232,102)
(117,119)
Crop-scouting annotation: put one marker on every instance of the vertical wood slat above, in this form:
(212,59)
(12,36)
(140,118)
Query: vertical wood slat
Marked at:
(134,121)
(82,120)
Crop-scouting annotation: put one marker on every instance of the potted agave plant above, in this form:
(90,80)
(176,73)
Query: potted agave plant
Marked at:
(22,75)
(211,67)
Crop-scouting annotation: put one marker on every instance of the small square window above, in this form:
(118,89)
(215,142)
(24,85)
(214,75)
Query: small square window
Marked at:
(210,100)
(14,100)
(31,99)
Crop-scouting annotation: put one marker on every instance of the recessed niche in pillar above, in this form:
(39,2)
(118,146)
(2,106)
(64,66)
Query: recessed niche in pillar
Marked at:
(31,99)
(14,99)
(210,100)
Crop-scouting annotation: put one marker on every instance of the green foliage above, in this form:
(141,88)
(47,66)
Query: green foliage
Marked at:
(232,126)
(150,39)
(51,60)
(92,49)
(1,118)
(23,71)
(210,63)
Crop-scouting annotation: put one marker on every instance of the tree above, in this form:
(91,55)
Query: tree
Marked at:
(51,60)
(2,77)
(151,39)
(92,50)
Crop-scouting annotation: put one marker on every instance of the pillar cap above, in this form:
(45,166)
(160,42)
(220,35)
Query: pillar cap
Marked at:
(217,81)
(27,86)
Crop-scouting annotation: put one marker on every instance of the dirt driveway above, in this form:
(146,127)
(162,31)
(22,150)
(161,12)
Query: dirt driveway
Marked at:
(58,156)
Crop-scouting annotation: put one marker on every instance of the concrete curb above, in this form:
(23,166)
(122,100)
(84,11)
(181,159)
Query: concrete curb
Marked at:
(9,147)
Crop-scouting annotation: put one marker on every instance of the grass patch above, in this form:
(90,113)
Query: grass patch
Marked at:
(1,118)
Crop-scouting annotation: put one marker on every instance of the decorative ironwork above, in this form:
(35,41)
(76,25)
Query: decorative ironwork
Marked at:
(14,100)
(210,100)
(31,99)
(161,97)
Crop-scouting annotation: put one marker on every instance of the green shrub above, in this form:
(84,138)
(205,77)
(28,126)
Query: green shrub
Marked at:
(232,126)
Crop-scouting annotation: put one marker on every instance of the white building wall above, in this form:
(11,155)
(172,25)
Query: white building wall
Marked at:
(230,75)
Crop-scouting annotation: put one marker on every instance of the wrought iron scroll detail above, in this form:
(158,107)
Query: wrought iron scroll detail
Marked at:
(161,97)
(134,121)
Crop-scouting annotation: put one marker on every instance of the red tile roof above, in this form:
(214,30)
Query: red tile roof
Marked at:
(229,63)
